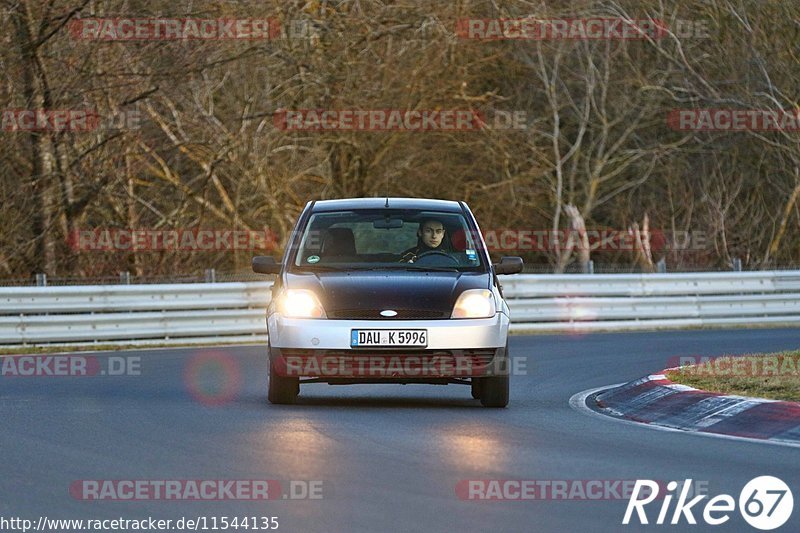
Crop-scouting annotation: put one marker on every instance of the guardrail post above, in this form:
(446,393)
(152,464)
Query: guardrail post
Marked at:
(737,264)
(125,278)
(211,275)
(589,267)
(41,280)
(661,266)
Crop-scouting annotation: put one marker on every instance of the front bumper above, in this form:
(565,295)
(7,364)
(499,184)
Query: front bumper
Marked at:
(320,349)
(352,366)
(447,334)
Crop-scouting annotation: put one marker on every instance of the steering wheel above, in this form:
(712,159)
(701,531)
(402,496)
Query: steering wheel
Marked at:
(434,253)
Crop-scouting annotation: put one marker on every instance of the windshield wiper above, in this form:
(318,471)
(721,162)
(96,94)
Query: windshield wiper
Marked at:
(434,269)
(319,268)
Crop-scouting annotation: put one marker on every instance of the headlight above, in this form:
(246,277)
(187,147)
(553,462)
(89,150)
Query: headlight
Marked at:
(475,303)
(300,303)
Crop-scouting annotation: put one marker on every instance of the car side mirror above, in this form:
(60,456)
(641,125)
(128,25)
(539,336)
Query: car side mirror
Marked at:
(265,264)
(508,265)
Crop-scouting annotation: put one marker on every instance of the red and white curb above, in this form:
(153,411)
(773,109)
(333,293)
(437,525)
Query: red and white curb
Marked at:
(657,401)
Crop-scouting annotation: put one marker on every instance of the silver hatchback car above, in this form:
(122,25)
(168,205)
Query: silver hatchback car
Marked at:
(388,290)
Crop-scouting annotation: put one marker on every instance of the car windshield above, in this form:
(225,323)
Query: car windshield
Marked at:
(389,239)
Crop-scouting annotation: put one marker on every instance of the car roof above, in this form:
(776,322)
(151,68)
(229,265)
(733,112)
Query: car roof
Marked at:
(395,203)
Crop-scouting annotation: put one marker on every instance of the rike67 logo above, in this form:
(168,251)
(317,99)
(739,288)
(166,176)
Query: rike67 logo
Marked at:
(765,503)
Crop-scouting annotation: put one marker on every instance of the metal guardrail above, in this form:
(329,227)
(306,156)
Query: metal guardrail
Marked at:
(616,302)
(234,312)
(134,314)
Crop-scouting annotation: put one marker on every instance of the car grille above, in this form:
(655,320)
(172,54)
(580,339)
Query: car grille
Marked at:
(375,314)
(390,363)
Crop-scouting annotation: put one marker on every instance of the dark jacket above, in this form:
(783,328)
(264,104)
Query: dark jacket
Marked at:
(410,255)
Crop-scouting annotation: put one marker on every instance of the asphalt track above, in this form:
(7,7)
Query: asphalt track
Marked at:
(389,456)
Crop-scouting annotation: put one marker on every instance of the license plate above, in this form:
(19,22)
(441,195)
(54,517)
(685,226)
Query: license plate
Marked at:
(360,338)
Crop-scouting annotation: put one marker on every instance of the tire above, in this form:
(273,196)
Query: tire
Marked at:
(494,390)
(281,390)
(476,386)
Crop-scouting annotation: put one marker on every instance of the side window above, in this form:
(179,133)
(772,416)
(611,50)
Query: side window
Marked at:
(463,243)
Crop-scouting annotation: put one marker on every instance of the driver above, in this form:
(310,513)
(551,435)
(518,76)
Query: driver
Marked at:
(430,237)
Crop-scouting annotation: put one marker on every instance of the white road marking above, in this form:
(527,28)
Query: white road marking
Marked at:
(578,403)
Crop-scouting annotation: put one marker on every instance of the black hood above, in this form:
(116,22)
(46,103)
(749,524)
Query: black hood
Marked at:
(363,294)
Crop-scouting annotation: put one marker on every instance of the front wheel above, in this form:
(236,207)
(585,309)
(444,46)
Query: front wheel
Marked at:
(494,390)
(476,386)
(281,390)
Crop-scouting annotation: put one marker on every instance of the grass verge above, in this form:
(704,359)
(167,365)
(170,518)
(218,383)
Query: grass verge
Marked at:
(774,376)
